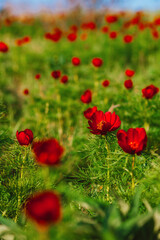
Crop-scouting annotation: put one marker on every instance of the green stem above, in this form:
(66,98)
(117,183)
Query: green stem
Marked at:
(133,163)
(108,171)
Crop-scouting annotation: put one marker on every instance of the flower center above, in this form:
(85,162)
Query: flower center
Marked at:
(100,125)
(133,145)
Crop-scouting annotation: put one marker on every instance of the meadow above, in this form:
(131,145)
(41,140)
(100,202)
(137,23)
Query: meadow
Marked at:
(59,75)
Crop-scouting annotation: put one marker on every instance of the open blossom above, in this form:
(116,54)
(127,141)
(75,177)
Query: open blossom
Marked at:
(3,47)
(64,79)
(150,91)
(128,38)
(37,76)
(23,40)
(76,61)
(113,35)
(24,137)
(128,84)
(72,37)
(56,74)
(26,91)
(111,19)
(48,151)
(101,122)
(105,29)
(97,62)
(87,96)
(105,83)
(129,72)
(133,141)
(44,208)
(89,112)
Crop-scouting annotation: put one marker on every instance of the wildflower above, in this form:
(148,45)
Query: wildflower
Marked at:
(89,112)
(48,152)
(105,83)
(87,96)
(97,62)
(101,122)
(26,91)
(64,79)
(56,74)
(128,38)
(24,137)
(129,73)
(38,76)
(128,84)
(76,61)
(72,37)
(3,47)
(113,35)
(150,91)
(133,141)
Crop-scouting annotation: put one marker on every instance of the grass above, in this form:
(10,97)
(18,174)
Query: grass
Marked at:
(95,205)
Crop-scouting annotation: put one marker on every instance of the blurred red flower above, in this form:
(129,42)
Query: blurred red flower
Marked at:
(129,73)
(3,47)
(56,74)
(133,141)
(111,19)
(105,83)
(97,62)
(76,61)
(74,28)
(155,34)
(24,137)
(72,37)
(26,91)
(128,84)
(64,79)
(150,91)
(87,96)
(105,29)
(48,152)
(38,76)
(23,40)
(113,35)
(128,38)
(101,122)
(44,208)
(89,112)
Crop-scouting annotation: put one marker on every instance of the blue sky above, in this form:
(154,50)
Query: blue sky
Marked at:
(54,5)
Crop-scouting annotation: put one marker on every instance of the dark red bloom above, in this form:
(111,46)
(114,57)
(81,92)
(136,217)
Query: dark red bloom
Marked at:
(105,29)
(155,34)
(55,37)
(89,112)
(26,91)
(105,83)
(97,62)
(87,96)
(24,137)
(74,28)
(133,141)
(56,74)
(157,21)
(48,152)
(129,73)
(128,38)
(111,19)
(101,122)
(3,47)
(64,79)
(72,37)
(76,61)
(44,208)
(150,91)
(38,76)
(23,40)
(128,84)
(113,35)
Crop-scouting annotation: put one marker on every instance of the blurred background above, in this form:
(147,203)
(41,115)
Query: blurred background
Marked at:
(60,5)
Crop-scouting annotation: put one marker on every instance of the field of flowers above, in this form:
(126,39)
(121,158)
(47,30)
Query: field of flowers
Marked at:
(79,126)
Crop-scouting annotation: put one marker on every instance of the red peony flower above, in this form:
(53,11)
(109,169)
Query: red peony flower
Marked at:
(129,73)
(44,208)
(87,96)
(72,37)
(24,137)
(97,62)
(150,91)
(38,76)
(76,61)
(89,112)
(113,35)
(128,38)
(56,74)
(128,84)
(105,29)
(26,91)
(101,122)
(48,152)
(111,19)
(64,79)
(133,141)
(105,83)
(3,47)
